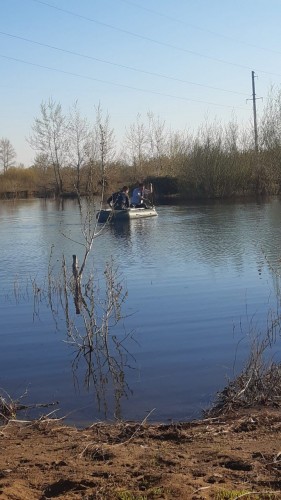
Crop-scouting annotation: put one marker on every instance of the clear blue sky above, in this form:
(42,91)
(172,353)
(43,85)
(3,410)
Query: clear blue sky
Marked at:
(129,55)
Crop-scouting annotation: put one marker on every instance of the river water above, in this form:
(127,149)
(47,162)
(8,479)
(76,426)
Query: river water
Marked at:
(201,280)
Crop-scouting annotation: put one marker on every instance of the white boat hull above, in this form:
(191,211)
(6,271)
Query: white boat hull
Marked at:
(125,215)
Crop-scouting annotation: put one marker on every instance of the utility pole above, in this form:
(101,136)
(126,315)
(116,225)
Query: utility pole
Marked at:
(255,112)
(254,98)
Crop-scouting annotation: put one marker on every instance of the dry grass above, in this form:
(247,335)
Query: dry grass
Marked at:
(259,383)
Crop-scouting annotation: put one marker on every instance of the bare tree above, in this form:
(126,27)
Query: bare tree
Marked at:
(136,141)
(158,140)
(270,130)
(7,154)
(79,142)
(50,139)
(178,145)
(104,143)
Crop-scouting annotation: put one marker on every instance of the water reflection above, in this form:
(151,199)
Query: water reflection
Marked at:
(102,368)
(192,273)
(121,230)
(96,331)
(223,235)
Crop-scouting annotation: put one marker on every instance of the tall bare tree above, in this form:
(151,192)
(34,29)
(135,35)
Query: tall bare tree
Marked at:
(103,143)
(50,139)
(136,141)
(79,142)
(7,154)
(157,138)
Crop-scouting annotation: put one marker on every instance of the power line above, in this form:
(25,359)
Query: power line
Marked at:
(119,84)
(142,37)
(180,21)
(131,68)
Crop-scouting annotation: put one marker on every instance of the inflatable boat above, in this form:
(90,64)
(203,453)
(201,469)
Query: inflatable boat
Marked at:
(109,215)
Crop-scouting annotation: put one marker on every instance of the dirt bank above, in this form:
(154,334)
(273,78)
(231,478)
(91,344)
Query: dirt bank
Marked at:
(210,459)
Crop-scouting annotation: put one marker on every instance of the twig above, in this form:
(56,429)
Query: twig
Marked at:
(123,442)
(244,389)
(258,493)
(202,488)
(137,430)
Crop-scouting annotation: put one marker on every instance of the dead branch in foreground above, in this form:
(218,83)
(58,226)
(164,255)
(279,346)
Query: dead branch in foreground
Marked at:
(258,385)
(9,407)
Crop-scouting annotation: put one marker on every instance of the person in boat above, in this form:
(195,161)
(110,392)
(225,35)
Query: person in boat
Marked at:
(138,196)
(120,199)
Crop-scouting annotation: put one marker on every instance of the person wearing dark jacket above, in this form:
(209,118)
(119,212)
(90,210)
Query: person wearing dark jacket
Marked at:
(120,199)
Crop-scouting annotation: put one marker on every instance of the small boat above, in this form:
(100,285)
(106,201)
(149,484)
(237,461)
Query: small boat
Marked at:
(127,214)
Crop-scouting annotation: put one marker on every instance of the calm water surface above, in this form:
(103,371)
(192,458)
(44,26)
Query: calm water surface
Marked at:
(199,278)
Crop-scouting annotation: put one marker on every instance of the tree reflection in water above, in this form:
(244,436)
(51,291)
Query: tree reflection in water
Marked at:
(92,311)
(106,362)
(95,326)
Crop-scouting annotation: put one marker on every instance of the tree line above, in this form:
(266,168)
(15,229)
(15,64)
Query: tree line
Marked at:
(75,157)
